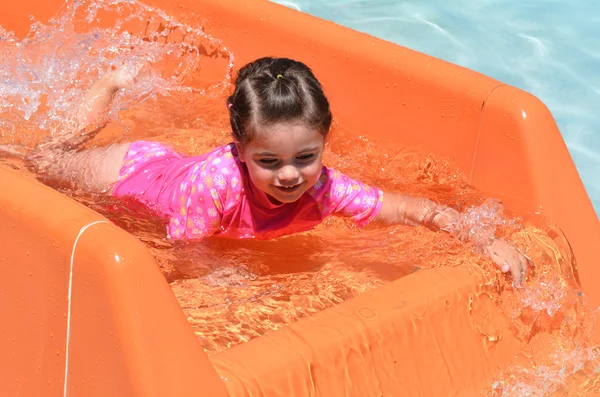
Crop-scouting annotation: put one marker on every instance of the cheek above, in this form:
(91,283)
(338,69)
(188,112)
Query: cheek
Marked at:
(313,172)
(259,175)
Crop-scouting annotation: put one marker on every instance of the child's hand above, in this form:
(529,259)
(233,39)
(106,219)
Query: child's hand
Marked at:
(508,259)
(401,209)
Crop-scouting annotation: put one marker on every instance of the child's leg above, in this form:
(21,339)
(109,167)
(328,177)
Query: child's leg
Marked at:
(100,94)
(94,169)
(95,101)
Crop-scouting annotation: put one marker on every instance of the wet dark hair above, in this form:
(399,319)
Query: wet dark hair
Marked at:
(273,90)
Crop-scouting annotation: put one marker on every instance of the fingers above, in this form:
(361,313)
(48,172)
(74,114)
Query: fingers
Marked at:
(514,266)
(521,265)
(516,271)
(510,260)
(524,267)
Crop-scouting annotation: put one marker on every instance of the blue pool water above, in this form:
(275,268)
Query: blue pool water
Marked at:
(549,48)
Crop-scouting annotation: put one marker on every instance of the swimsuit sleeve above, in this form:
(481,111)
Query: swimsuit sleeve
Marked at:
(211,189)
(338,194)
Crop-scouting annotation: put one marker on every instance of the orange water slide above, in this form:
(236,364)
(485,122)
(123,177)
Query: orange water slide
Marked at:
(86,312)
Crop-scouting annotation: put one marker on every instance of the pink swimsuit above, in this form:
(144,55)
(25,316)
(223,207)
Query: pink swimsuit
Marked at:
(212,195)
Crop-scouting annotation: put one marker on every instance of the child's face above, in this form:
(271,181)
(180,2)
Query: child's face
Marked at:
(284,160)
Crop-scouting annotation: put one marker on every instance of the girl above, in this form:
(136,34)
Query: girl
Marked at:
(269,182)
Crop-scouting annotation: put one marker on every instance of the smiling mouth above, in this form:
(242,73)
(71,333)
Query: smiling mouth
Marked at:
(288,189)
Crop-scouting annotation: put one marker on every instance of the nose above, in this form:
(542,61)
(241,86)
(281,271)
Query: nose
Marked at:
(288,175)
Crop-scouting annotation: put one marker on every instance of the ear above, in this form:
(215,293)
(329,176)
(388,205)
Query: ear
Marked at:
(240,152)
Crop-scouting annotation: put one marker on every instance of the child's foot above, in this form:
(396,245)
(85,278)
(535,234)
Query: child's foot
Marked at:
(125,77)
(88,121)
(100,94)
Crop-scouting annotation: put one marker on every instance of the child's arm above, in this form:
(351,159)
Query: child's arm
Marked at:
(401,209)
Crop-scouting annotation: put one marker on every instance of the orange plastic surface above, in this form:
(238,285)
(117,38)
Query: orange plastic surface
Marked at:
(127,333)
(415,336)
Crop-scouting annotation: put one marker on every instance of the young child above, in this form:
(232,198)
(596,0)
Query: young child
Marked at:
(269,182)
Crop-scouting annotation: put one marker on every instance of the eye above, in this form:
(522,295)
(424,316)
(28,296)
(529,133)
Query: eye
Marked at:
(268,161)
(306,157)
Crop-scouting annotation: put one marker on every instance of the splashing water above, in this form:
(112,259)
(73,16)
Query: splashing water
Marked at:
(480,224)
(548,380)
(553,320)
(58,62)
(235,291)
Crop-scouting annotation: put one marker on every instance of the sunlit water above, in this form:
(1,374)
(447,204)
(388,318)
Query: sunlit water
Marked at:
(546,47)
(233,291)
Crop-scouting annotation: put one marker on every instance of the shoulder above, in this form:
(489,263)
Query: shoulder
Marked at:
(329,179)
(219,176)
(337,187)
(218,163)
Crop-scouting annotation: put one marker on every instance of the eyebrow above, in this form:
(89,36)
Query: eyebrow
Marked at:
(269,154)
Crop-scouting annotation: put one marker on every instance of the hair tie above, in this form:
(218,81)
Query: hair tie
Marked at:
(279,76)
